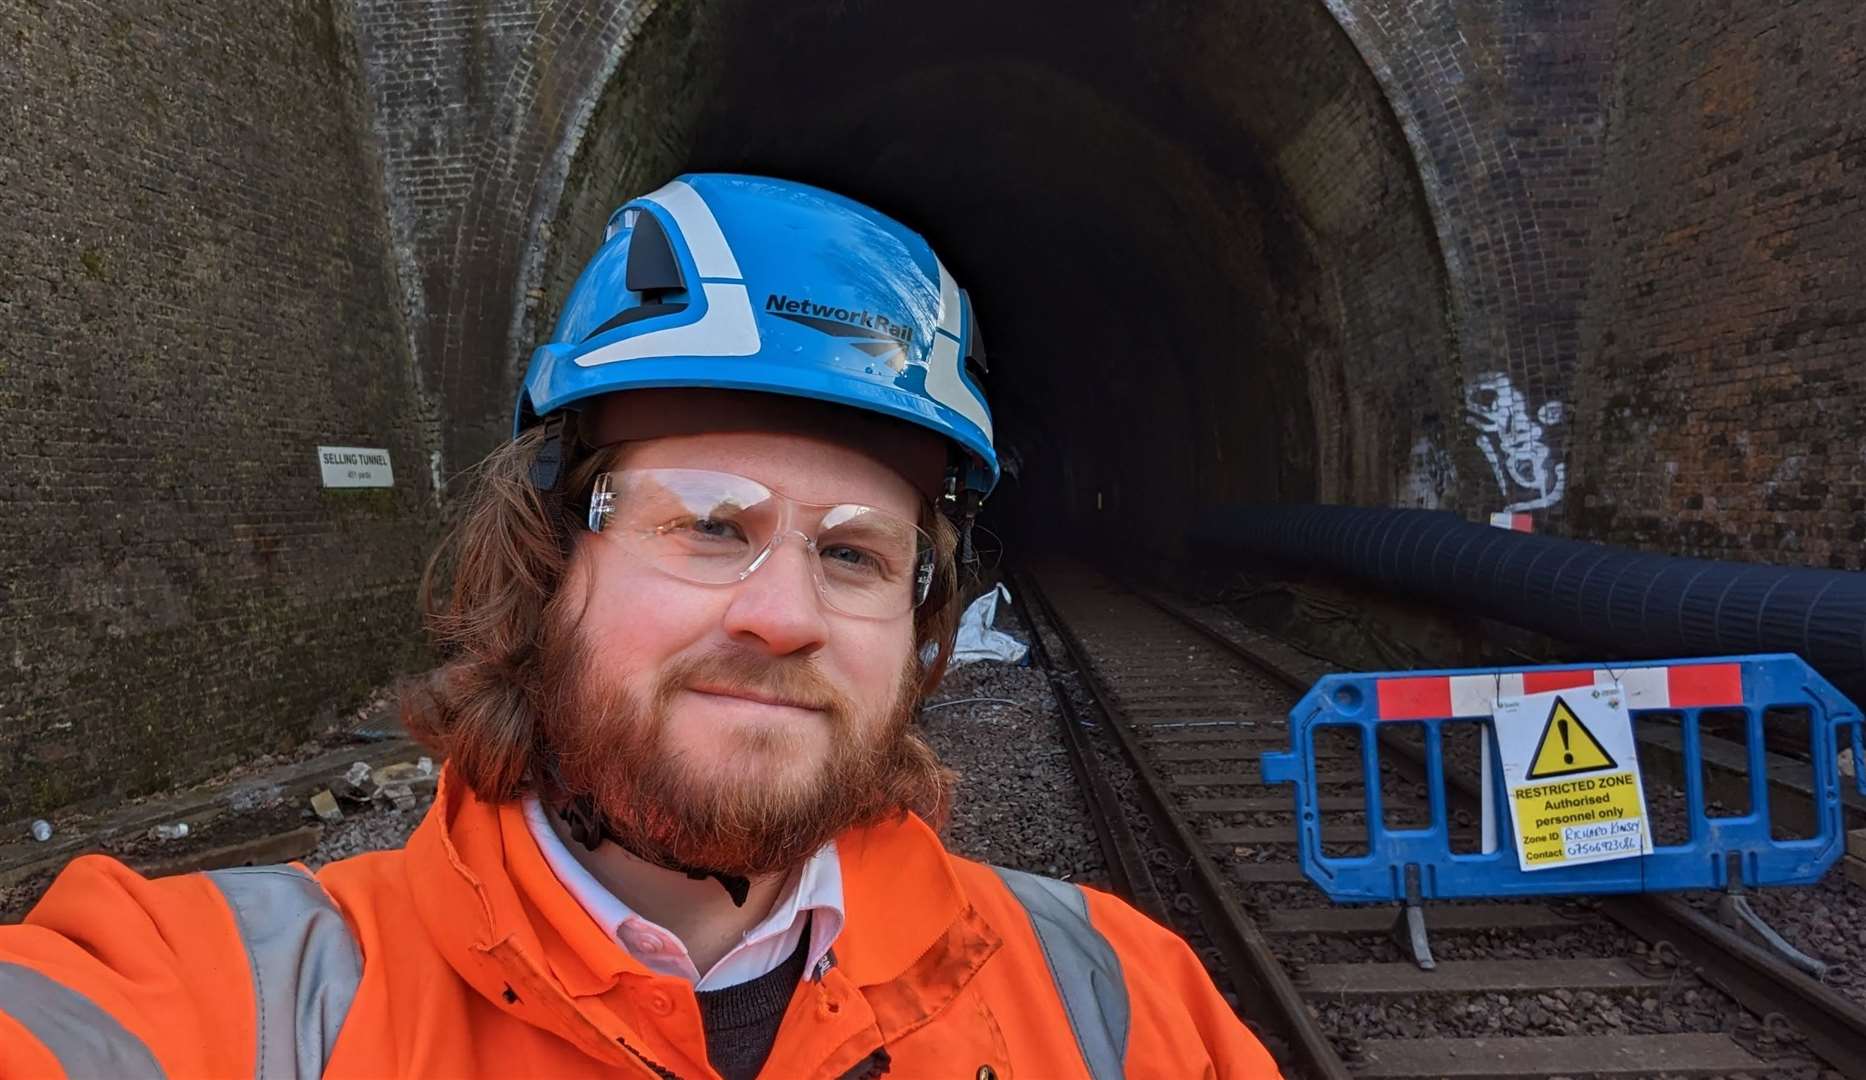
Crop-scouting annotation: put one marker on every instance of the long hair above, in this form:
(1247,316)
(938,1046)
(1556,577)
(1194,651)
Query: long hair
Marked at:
(488,589)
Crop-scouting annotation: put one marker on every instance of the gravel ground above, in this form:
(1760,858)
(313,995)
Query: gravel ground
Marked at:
(1826,921)
(1670,1011)
(1017,803)
(374,829)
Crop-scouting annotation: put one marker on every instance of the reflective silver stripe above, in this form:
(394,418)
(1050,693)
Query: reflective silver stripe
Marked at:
(1083,965)
(86,1040)
(305,964)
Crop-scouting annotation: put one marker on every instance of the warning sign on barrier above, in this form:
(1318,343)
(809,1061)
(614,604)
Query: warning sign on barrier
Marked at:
(1566,747)
(1572,772)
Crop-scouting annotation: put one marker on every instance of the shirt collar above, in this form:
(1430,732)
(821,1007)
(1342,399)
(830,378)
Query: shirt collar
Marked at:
(814,890)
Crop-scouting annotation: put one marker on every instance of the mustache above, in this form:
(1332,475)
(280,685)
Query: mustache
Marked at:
(608,743)
(789,681)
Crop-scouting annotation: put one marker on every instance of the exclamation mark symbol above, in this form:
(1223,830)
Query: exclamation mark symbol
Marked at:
(1561,726)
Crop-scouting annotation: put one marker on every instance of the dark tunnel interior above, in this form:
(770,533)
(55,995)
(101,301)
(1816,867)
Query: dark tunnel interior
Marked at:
(1197,243)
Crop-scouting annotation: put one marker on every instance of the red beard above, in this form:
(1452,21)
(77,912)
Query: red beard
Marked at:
(610,745)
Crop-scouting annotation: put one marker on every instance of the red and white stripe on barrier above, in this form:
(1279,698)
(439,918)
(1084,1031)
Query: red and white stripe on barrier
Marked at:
(1685,686)
(1513,522)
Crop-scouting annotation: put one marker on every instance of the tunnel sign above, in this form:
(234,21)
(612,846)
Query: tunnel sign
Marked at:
(1572,772)
(355,466)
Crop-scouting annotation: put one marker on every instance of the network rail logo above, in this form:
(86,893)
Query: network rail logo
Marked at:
(873,333)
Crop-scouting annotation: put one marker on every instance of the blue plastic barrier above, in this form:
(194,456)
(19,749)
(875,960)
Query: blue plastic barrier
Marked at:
(1686,688)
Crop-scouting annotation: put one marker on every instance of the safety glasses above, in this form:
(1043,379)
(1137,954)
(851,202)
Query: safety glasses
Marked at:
(716,528)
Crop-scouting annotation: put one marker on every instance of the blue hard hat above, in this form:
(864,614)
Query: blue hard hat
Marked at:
(748,283)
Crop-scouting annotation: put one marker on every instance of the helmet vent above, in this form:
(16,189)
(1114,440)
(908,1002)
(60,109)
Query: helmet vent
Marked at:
(975,363)
(652,267)
(652,271)
(634,314)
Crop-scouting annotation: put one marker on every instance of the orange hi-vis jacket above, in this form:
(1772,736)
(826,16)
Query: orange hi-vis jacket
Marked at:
(461,954)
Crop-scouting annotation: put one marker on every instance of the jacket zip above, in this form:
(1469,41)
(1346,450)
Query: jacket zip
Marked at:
(870,1067)
(661,1071)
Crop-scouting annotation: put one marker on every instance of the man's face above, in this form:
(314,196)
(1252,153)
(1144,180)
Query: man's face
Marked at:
(737,727)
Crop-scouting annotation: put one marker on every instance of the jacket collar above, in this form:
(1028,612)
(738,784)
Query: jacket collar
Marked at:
(901,896)
(494,909)
(489,884)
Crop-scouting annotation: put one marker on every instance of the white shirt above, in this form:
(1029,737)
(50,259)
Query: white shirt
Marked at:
(811,899)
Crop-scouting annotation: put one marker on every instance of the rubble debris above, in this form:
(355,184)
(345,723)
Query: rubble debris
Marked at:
(405,772)
(248,799)
(355,785)
(400,796)
(402,784)
(324,804)
(173,830)
(42,830)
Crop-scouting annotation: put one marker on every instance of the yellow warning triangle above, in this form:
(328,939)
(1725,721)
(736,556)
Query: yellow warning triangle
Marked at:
(1566,746)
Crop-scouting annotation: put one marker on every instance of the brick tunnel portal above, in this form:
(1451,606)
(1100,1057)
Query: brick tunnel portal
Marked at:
(1187,235)
(1594,262)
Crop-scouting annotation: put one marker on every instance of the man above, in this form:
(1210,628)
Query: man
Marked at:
(683,829)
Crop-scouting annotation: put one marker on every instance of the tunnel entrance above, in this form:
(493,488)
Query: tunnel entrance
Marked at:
(1201,253)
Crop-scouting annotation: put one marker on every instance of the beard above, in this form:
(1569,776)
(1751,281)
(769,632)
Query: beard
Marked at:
(752,811)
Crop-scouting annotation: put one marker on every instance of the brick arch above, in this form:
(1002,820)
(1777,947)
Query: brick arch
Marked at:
(477,155)
(1475,98)
(477,110)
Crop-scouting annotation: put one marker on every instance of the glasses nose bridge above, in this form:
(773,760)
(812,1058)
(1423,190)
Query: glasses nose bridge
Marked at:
(786,526)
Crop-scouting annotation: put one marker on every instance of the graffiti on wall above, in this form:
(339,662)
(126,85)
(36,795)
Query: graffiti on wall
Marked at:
(1431,476)
(1511,438)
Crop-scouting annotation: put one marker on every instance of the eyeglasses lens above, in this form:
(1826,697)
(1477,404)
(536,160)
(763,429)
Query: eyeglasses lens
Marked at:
(716,528)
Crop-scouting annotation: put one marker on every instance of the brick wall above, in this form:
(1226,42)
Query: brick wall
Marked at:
(194,293)
(1723,395)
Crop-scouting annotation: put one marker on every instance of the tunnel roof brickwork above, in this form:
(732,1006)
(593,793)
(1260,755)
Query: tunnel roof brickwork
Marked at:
(517,127)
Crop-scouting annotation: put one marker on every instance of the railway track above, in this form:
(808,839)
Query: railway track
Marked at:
(1167,709)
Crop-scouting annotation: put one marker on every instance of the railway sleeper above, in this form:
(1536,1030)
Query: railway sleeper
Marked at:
(1681,1055)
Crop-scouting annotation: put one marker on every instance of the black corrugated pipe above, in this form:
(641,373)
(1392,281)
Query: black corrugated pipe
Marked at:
(1630,601)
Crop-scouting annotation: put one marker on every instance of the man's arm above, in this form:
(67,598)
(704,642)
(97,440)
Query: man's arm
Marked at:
(114,974)
(1181,1026)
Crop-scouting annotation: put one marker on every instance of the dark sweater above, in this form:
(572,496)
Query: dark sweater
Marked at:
(742,1021)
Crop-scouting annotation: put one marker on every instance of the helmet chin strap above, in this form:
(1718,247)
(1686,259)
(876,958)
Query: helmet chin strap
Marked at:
(588,828)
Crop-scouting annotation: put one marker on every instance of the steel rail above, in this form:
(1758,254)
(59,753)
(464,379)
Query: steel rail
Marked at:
(1263,986)
(1128,873)
(1833,1025)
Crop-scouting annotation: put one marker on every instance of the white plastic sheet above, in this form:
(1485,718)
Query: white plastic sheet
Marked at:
(978,640)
